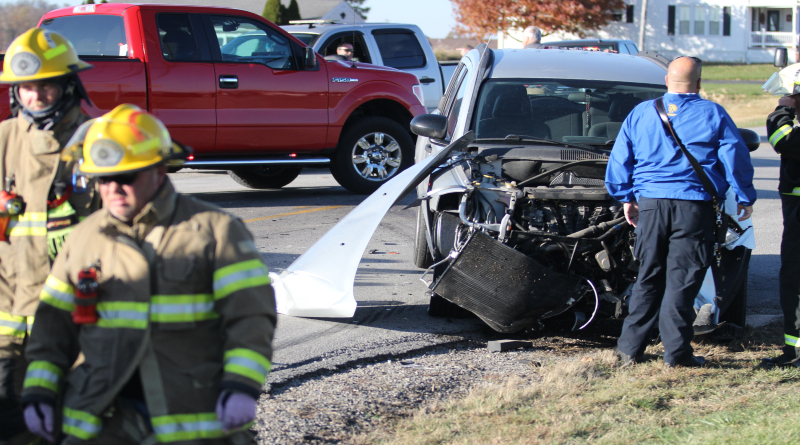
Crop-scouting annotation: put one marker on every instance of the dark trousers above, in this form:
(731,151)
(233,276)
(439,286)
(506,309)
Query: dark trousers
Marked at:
(790,271)
(674,245)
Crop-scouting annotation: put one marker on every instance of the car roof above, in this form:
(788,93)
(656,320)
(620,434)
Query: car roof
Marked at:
(573,64)
(324,28)
(582,42)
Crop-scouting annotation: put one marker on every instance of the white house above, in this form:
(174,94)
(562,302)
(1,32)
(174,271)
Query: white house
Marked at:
(739,31)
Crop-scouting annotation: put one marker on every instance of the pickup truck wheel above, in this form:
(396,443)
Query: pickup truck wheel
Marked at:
(371,152)
(422,255)
(265,177)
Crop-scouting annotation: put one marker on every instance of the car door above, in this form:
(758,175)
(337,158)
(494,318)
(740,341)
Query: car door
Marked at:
(181,78)
(265,100)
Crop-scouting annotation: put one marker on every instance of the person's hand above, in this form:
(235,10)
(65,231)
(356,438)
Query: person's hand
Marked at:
(235,409)
(39,419)
(631,213)
(787,101)
(748,210)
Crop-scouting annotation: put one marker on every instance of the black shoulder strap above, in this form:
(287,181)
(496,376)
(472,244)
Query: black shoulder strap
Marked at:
(707,184)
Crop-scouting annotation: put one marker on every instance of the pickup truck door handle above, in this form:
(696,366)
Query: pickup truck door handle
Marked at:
(427,79)
(228,81)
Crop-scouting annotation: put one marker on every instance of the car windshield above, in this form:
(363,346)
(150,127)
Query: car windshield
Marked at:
(308,39)
(565,111)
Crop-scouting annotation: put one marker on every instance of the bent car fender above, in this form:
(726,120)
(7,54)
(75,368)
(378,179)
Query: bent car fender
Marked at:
(320,282)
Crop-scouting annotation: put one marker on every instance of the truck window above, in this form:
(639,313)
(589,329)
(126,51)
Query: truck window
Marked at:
(177,37)
(360,52)
(246,41)
(92,35)
(399,50)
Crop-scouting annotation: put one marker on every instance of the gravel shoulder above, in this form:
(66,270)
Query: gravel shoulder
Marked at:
(337,404)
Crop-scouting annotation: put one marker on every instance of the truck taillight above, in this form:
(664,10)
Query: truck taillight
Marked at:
(417,89)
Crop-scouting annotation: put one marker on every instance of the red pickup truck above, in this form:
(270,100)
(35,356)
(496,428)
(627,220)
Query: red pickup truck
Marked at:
(246,95)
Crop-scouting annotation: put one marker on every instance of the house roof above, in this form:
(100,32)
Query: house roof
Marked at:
(313,9)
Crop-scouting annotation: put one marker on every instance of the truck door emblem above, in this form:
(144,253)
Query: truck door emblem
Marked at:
(343,80)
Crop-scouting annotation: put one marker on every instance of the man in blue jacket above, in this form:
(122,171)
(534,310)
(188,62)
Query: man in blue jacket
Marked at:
(673,215)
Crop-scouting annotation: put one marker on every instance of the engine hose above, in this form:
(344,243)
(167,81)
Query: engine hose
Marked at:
(462,213)
(602,227)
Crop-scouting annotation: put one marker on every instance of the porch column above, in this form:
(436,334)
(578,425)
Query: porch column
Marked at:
(794,34)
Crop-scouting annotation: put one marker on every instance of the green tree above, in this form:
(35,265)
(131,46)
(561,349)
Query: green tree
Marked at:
(360,10)
(293,12)
(272,11)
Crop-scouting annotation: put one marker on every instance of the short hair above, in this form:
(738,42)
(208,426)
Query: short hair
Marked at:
(533,33)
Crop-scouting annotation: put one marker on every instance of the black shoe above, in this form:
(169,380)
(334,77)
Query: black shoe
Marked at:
(625,360)
(694,362)
(782,361)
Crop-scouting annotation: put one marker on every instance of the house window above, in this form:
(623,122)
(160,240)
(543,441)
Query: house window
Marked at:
(617,16)
(629,14)
(713,20)
(699,20)
(684,19)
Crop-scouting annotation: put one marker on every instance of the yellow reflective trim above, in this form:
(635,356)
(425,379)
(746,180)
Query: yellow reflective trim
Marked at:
(794,192)
(779,134)
(141,147)
(55,52)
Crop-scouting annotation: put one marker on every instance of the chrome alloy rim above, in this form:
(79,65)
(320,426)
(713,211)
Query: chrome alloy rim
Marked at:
(377,156)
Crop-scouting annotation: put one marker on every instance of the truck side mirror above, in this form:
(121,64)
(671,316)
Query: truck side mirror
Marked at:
(751,138)
(310,59)
(433,126)
(781,57)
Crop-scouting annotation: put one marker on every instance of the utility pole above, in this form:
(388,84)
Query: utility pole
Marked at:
(642,25)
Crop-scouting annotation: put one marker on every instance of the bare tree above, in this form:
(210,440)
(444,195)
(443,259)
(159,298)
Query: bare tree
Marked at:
(18,17)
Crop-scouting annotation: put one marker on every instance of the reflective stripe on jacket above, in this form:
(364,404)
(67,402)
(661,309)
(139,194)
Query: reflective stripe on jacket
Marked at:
(184,298)
(31,157)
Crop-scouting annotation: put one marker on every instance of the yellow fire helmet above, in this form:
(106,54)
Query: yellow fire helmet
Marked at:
(39,54)
(785,82)
(124,140)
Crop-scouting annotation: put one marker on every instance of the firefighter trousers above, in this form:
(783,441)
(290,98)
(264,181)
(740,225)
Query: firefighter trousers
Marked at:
(790,272)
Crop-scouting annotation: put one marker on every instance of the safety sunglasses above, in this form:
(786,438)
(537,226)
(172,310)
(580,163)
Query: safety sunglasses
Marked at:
(347,50)
(124,179)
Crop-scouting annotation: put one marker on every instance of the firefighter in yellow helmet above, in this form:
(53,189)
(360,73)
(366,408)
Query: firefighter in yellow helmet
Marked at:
(167,298)
(38,203)
(785,138)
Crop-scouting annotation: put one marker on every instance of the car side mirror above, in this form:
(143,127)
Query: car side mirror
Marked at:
(751,138)
(310,59)
(781,57)
(433,126)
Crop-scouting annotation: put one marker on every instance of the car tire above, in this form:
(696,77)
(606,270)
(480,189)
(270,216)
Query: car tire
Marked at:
(736,313)
(371,152)
(265,177)
(422,255)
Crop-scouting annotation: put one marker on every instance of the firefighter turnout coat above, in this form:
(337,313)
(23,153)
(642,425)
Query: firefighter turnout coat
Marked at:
(785,138)
(30,162)
(184,298)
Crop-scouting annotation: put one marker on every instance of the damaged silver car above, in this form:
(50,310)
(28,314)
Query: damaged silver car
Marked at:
(515,224)
(518,228)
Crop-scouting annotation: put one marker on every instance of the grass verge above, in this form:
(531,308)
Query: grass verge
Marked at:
(739,72)
(747,105)
(587,400)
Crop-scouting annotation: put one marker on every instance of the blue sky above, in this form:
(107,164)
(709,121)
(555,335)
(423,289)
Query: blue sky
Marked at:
(435,17)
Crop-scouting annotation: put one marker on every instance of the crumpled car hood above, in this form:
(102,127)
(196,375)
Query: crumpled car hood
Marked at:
(320,282)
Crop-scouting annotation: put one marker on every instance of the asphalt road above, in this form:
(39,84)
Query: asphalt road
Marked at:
(391,318)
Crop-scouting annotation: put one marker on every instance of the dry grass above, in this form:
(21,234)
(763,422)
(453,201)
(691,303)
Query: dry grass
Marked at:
(587,399)
(747,105)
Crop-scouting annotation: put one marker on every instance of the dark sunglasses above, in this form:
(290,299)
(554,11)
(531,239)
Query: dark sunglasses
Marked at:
(347,50)
(125,179)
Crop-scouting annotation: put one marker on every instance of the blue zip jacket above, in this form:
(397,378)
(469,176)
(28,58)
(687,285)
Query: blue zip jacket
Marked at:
(647,162)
